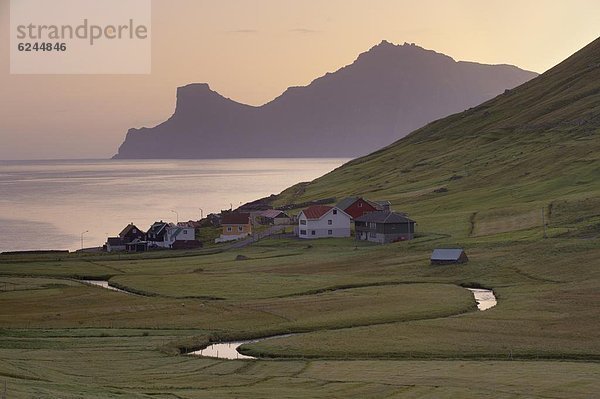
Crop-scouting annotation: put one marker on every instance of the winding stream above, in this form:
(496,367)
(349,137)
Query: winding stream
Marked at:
(104,284)
(485,298)
(225,350)
(228,350)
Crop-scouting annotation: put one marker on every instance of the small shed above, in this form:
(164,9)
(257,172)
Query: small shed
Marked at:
(115,244)
(448,256)
(273,217)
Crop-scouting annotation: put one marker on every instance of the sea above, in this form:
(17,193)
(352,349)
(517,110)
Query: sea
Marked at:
(69,204)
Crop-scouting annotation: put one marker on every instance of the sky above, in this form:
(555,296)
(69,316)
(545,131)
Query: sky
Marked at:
(252,50)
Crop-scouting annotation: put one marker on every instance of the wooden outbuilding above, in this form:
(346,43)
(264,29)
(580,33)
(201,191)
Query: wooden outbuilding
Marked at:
(273,217)
(448,256)
(384,227)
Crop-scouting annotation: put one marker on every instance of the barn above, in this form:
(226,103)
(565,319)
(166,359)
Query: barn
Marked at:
(448,256)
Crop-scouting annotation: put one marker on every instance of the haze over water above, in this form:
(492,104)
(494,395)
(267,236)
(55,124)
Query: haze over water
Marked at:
(48,204)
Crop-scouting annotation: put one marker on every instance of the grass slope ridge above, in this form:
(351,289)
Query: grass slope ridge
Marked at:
(536,143)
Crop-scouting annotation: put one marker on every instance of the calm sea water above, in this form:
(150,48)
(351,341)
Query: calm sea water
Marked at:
(48,204)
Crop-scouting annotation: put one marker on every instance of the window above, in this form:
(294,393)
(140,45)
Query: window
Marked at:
(335,211)
(360,204)
(330,232)
(184,231)
(240,228)
(313,233)
(373,234)
(302,232)
(330,222)
(229,228)
(303,222)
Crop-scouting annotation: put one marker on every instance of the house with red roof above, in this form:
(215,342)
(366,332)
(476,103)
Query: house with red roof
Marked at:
(321,221)
(358,206)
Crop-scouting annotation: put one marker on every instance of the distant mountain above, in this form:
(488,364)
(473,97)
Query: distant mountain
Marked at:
(387,92)
(534,147)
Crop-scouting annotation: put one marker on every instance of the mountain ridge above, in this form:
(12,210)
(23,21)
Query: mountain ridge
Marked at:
(527,149)
(385,93)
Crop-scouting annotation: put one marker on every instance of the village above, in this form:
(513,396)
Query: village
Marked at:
(358,217)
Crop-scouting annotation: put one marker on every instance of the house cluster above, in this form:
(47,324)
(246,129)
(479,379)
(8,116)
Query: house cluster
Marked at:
(373,221)
(237,224)
(159,235)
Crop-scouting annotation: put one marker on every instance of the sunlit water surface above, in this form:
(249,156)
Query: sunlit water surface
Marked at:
(48,204)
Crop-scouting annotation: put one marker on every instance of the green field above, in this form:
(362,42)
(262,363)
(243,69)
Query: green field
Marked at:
(369,321)
(366,321)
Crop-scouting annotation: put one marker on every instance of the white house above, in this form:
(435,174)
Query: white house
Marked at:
(321,221)
(176,233)
(164,235)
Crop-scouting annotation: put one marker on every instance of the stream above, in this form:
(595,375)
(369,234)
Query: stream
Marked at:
(104,284)
(228,350)
(485,298)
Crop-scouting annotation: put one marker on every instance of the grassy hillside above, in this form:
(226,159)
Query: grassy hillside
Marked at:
(492,167)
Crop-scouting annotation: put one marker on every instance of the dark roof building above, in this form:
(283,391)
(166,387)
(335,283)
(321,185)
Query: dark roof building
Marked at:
(236,225)
(448,256)
(273,216)
(127,235)
(384,227)
(157,231)
(114,244)
(235,218)
(273,213)
(131,232)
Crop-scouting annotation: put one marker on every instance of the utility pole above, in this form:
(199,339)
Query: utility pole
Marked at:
(201,214)
(82,233)
(176,215)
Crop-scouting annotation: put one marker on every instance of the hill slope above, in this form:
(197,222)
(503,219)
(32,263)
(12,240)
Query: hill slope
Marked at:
(499,163)
(386,93)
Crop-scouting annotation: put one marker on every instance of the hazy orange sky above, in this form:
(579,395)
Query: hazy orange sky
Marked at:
(252,50)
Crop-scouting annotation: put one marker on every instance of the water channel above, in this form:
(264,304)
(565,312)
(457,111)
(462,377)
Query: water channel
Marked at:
(229,350)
